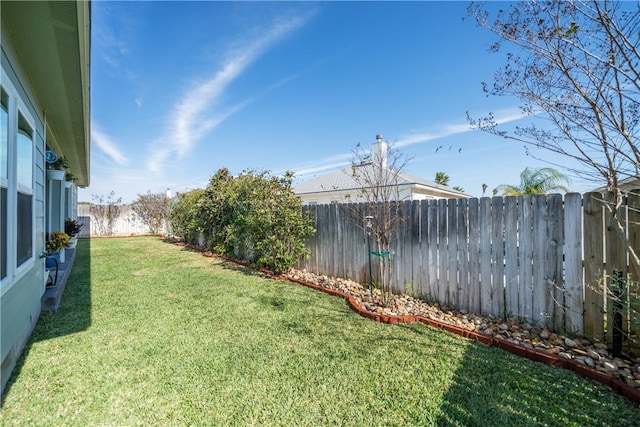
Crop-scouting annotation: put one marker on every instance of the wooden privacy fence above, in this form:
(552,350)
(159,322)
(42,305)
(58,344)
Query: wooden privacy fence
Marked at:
(546,258)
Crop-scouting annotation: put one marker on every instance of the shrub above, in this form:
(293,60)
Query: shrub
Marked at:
(255,217)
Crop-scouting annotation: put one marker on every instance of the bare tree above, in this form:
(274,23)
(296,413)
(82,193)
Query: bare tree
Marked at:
(576,70)
(153,210)
(105,212)
(377,174)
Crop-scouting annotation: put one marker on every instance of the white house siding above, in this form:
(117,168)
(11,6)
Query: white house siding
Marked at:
(22,289)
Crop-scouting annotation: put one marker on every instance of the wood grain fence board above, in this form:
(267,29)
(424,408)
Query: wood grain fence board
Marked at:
(539,252)
(434,269)
(442,252)
(554,261)
(452,253)
(633,219)
(415,252)
(615,261)
(486,296)
(474,255)
(525,256)
(512,286)
(595,286)
(573,282)
(425,280)
(497,256)
(339,251)
(403,255)
(320,229)
(463,254)
(348,246)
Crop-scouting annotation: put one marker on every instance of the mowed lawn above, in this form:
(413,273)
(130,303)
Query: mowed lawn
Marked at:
(151,334)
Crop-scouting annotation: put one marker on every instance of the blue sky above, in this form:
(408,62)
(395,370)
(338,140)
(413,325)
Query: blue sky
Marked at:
(181,89)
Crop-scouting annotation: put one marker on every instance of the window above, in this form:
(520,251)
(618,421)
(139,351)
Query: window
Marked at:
(4,180)
(24,240)
(17,186)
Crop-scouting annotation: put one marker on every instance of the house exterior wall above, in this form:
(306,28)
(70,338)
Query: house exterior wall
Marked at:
(23,287)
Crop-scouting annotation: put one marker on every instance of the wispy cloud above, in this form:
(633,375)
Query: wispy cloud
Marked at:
(193,117)
(446,130)
(107,146)
(441,131)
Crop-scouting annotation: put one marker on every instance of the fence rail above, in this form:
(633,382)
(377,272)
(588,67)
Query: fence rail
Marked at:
(549,259)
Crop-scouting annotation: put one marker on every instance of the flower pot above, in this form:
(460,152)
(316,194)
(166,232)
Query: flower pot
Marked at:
(56,174)
(50,260)
(73,242)
(68,184)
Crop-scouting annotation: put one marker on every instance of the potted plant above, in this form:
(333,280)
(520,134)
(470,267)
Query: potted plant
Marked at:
(56,242)
(72,228)
(69,179)
(56,166)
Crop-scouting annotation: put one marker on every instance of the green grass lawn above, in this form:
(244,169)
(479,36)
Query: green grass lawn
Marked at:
(151,334)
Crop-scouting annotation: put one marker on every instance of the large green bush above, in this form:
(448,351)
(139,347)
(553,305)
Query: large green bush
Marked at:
(255,217)
(185,215)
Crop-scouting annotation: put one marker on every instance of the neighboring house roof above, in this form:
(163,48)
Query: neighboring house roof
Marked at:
(343,180)
(52,40)
(633,182)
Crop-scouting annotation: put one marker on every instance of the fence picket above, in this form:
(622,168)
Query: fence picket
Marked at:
(486,297)
(442,252)
(463,254)
(525,257)
(593,235)
(616,263)
(573,283)
(497,256)
(633,217)
(539,245)
(512,288)
(554,260)
(474,255)
(434,290)
(452,253)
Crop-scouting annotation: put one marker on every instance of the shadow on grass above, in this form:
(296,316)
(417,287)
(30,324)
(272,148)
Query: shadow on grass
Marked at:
(74,314)
(495,386)
(238,267)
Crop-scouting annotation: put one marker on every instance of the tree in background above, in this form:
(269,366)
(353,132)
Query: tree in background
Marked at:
(153,210)
(536,181)
(442,178)
(105,212)
(484,188)
(576,67)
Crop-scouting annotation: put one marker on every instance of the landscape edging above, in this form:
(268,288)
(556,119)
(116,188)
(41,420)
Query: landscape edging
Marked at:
(616,384)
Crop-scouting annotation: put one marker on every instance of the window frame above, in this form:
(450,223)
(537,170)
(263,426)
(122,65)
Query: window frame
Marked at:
(17,107)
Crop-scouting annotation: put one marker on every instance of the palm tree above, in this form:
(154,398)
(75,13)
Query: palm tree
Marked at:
(442,178)
(536,181)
